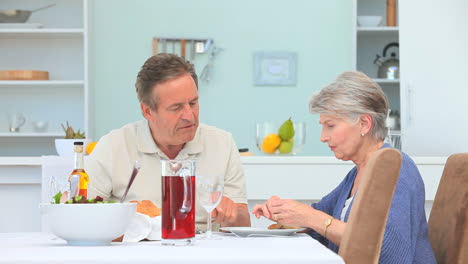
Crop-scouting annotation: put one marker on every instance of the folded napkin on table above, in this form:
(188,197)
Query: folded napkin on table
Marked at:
(142,227)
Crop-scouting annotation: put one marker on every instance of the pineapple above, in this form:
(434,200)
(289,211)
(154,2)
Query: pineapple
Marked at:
(71,134)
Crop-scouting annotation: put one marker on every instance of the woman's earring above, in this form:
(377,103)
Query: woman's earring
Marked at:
(362,134)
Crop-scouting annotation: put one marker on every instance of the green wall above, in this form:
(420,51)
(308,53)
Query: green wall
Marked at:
(320,32)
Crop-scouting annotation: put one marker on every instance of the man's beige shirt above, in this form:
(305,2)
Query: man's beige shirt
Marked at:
(111,162)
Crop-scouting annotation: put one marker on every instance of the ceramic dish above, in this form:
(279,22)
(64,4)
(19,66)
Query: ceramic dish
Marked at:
(252,231)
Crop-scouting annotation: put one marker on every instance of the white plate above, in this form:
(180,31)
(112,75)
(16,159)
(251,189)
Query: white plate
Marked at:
(20,25)
(252,231)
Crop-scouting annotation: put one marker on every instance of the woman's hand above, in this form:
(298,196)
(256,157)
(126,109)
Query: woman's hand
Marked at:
(291,213)
(263,209)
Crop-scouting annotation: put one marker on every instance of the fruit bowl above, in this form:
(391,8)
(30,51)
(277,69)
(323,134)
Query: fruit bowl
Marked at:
(269,141)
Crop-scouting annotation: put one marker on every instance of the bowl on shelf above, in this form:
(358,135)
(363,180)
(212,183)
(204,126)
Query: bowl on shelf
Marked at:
(369,21)
(40,126)
(269,142)
(88,224)
(65,148)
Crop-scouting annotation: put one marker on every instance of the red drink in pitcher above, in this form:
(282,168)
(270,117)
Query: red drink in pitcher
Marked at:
(178,216)
(178,202)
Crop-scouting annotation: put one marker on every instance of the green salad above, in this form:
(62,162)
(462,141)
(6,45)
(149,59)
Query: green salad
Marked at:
(80,199)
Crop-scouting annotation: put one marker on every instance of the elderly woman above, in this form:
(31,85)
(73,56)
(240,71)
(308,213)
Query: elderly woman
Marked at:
(353,110)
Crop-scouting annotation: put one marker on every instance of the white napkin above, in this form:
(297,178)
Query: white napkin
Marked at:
(143,226)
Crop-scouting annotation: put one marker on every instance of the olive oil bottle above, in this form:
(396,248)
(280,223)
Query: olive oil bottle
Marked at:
(78,179)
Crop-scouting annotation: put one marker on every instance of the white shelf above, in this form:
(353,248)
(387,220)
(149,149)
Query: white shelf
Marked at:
(61,32)
(32,134)
(71,83)
(368,31)
(20,161)
(378,29)
(395,81)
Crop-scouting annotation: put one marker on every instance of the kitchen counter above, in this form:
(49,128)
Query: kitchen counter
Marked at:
(310,178)
(305,178)
(36,161)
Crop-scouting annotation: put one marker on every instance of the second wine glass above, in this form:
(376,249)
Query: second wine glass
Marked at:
(210,191)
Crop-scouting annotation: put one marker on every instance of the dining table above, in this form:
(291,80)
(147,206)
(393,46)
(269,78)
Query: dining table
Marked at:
(40,247)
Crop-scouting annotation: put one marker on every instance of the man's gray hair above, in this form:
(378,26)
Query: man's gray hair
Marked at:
(158,69)
(351,95)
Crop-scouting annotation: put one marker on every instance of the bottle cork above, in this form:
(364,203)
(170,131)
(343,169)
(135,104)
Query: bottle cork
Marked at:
(391,13)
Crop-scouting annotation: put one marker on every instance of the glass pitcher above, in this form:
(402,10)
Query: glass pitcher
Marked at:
(178,202)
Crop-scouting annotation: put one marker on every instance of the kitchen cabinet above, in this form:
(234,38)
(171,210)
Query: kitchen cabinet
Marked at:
(434,51)
(369,42)
(53,40)
(431,92)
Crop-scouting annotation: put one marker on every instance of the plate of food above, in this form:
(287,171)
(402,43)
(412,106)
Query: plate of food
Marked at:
(257,231)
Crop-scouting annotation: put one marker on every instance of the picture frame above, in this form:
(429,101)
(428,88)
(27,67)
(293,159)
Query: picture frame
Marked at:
(275,68)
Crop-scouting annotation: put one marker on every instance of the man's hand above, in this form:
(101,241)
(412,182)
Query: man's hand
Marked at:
(228,213)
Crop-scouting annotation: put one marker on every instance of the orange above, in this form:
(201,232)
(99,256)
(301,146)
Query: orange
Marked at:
(270,143)
(90,147)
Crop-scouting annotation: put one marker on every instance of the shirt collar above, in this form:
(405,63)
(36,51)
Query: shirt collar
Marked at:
(146,143)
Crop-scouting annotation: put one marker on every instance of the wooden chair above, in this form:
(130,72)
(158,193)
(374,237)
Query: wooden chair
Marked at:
(448,221)
(362,240)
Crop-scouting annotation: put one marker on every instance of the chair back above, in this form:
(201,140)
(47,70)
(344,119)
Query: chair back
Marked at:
(448,221)
(362,239)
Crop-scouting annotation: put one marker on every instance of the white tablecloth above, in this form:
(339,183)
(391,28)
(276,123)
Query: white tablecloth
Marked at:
(34,248)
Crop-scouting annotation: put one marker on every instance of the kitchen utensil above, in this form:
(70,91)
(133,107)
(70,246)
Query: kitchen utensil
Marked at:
(136,168)
(16,121)
(192,50)
(207,71)
(389,68)
(24,75)
(182,47)
(391,13)
(155,46)
(369,21)
(200,47)
(19,15)
(393,120)
(164,45)
(40,126)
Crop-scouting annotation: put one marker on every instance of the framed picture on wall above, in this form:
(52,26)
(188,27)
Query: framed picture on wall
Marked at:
(275,68)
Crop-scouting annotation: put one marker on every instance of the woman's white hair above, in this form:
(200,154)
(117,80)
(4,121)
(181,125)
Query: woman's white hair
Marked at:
(351,95)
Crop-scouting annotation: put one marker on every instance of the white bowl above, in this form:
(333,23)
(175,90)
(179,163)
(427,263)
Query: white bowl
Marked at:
(88,224)
(265,128)
(369,21)
(65,147)
(40,126)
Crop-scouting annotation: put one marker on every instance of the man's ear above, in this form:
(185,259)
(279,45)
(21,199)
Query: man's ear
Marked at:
(365,122)
(146,111)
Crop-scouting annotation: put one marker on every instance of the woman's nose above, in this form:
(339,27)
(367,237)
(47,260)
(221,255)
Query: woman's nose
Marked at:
(323,137)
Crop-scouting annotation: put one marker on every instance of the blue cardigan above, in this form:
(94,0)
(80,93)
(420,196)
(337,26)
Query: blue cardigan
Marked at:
(405,238)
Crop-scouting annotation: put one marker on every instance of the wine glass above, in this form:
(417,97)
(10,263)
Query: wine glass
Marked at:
(210,191)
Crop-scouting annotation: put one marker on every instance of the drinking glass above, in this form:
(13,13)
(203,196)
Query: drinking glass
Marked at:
(210,190)
(58,183)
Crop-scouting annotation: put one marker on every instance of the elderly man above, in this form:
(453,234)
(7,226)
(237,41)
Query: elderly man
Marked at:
(167,88)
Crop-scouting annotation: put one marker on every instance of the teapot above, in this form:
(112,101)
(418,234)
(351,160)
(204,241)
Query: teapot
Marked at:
(389,68)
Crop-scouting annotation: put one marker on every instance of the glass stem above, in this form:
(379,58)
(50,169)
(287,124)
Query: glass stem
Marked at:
(208,226)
